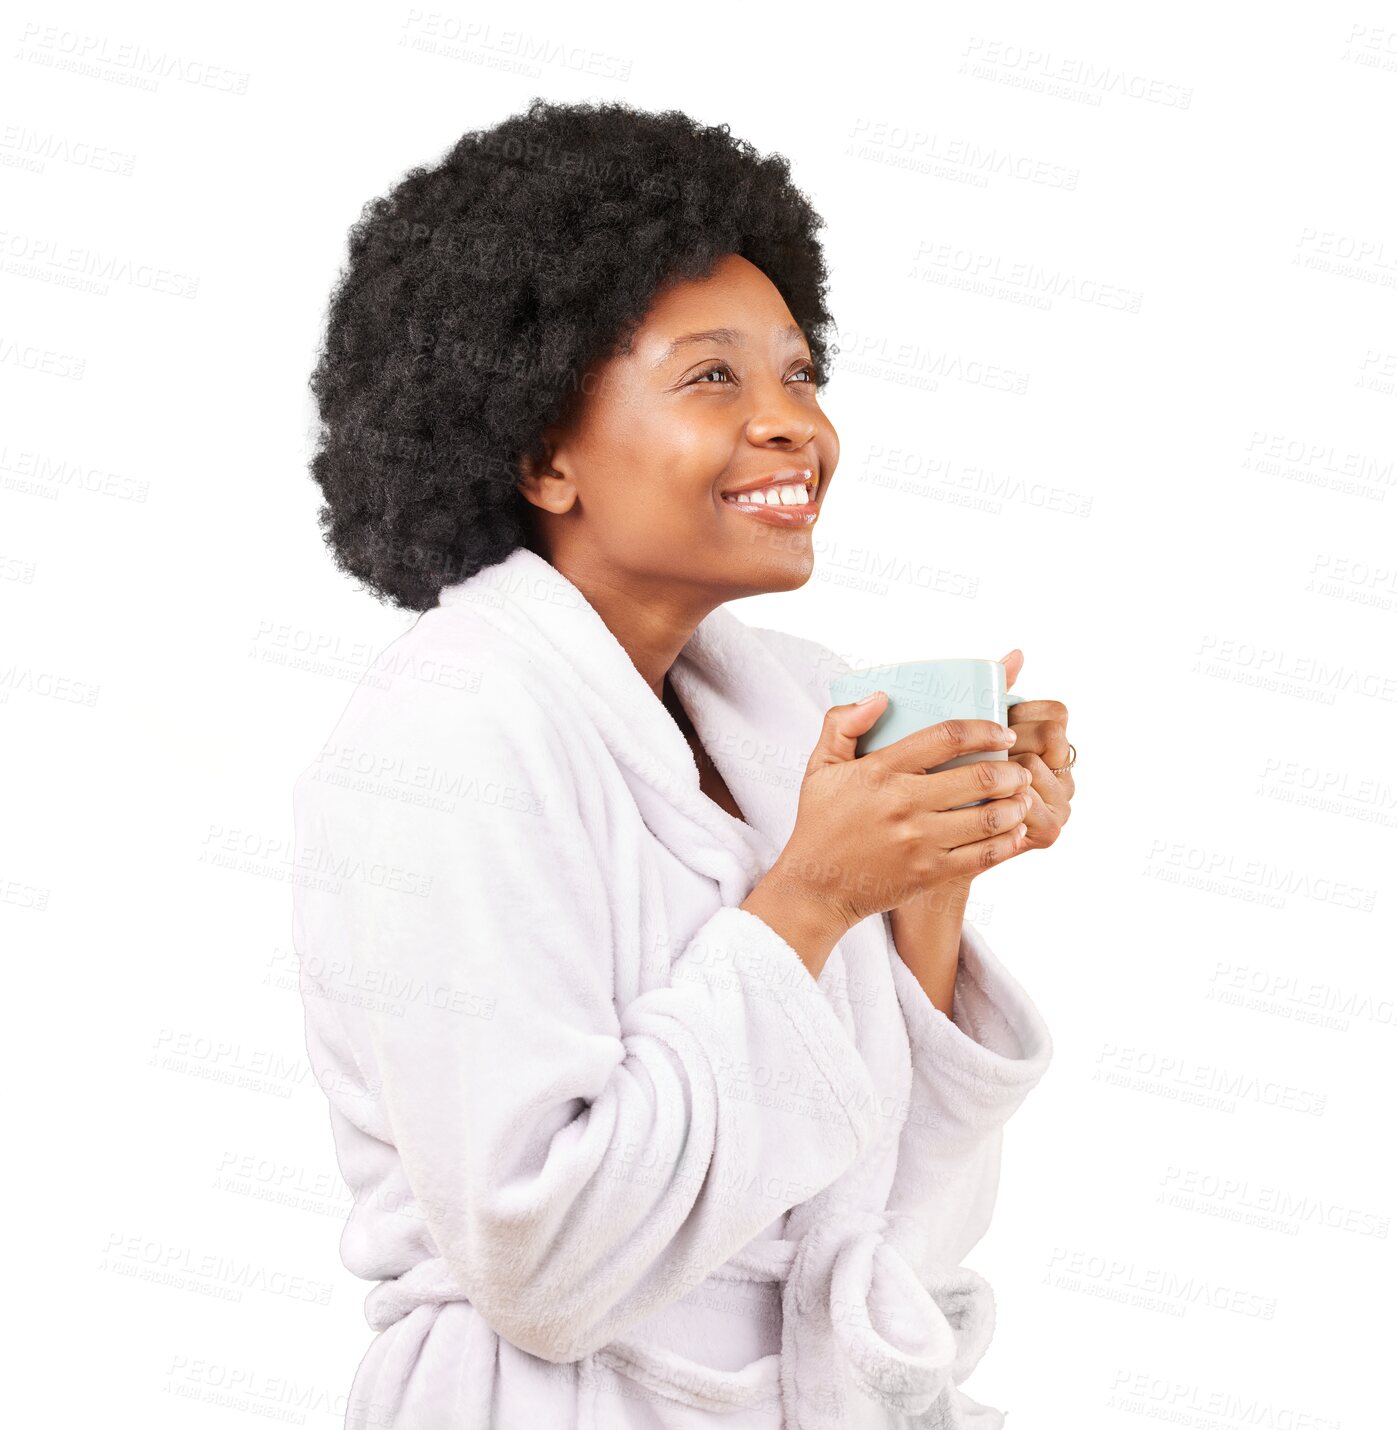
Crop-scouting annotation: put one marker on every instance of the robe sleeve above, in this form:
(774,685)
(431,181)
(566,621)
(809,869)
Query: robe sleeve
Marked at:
(970,1074)
(579,1160)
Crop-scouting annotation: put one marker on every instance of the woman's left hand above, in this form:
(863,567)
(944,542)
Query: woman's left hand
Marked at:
(928,931)
(1041,747)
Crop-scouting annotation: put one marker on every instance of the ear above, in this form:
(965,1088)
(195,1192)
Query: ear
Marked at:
(544,484)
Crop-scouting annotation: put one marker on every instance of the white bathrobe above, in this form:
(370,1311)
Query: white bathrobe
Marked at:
(617,1159)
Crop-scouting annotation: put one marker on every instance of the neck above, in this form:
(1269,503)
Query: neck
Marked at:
(651,622)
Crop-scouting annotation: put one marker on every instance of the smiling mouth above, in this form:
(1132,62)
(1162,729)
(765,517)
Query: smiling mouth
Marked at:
(786,503)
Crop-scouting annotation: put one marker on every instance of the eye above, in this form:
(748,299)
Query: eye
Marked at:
(806,371)
(716,367)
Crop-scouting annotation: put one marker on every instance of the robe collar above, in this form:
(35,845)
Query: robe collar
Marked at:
(754,717)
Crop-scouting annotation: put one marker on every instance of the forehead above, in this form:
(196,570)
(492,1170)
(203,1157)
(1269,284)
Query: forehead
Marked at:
(736,301)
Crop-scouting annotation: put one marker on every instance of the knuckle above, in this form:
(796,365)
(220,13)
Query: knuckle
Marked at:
(904,802)
(987,773)
(955,731)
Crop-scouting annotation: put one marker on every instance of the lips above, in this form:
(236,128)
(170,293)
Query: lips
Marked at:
(784,476)
(757,500)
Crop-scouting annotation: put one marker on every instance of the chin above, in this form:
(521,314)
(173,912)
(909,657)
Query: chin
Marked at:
(782,569)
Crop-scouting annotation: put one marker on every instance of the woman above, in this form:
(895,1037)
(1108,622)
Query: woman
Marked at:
(666,1076)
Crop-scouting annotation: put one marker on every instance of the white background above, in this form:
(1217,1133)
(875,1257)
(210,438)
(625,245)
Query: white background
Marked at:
(1155,447)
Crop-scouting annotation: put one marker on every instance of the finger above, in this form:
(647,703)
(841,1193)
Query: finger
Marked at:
(1038,710)
(967,860)
(969,783)
(1047,738)
(1052,736)
(1048,784)
(924,749)
(1026,736)
(840,731)
(1051,807)
(952,828)
(1055,790)
(1066,785)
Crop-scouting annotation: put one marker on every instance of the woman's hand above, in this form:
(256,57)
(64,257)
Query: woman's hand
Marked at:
(1040,746)
(878,832)
(927,930)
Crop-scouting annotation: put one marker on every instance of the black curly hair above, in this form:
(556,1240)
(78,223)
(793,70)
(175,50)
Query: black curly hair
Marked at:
(477,293)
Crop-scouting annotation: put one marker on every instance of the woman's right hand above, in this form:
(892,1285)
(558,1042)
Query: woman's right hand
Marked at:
(873,833)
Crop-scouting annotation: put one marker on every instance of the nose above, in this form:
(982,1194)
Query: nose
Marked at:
(778,415)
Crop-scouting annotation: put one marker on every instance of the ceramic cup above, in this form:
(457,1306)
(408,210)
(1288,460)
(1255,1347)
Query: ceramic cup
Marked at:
(926,692)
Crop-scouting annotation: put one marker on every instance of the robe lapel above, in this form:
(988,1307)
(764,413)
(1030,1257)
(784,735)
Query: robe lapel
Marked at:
(758,724)
(561,634)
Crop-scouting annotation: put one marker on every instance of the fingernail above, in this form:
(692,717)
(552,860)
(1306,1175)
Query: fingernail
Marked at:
(867,698)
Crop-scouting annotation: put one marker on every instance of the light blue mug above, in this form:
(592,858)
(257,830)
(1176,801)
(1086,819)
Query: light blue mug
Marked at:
(926,692)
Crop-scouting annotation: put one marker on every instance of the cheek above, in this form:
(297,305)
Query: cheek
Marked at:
(700,438)
(674,444)
(687,463)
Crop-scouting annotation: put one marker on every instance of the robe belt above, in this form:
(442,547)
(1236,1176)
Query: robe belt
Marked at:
(854,1309)
(903,1338)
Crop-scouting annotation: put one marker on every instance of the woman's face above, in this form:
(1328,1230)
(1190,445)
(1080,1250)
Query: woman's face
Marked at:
(717,393)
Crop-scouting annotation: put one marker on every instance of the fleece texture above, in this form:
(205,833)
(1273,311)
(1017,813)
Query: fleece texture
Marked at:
(617,1160)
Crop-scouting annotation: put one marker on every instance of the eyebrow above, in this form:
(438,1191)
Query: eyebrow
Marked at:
(723,335)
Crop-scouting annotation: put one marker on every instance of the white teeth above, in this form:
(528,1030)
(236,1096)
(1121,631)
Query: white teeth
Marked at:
(786,494)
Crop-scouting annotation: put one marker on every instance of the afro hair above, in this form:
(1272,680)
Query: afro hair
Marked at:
(477,293)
